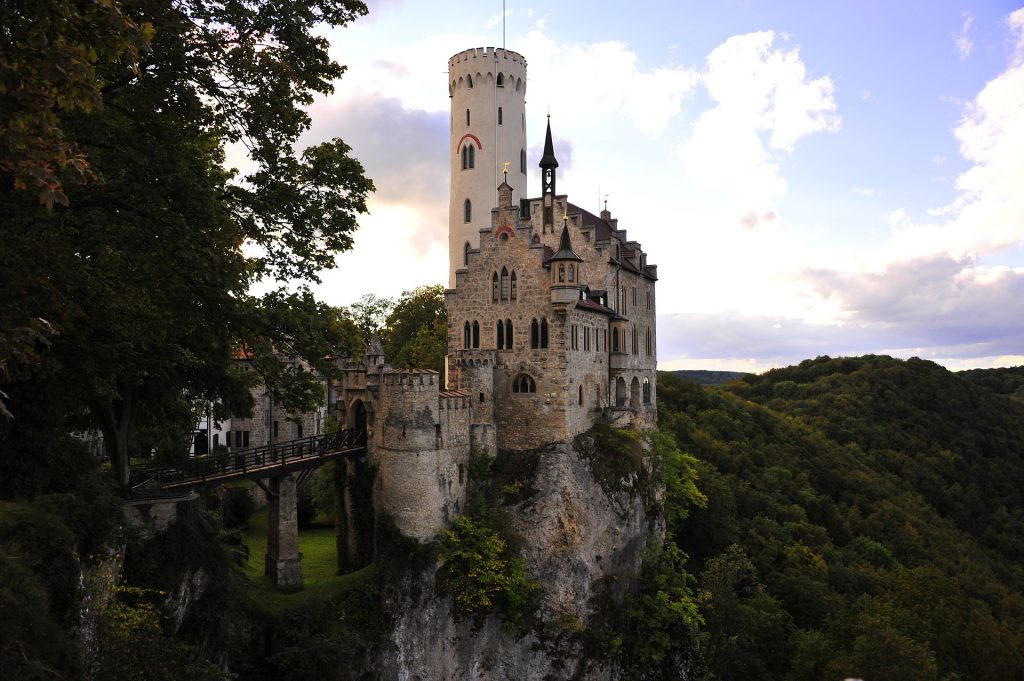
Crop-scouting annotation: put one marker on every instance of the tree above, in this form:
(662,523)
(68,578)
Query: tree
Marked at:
(142,274)
(416,331)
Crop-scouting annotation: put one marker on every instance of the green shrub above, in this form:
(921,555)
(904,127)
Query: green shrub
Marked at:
(483,576)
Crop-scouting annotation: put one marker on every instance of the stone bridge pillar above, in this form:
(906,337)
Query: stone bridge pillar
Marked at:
(282,561)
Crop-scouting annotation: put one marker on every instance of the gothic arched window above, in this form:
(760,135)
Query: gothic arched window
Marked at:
(523,384)
(469,81)
(512,286)
(494,287)
(572,273)
(466,335)
(534,334)
(501,80)
(543,333)
(467,211)
(508,334)
(468,156)
(500,335)
(647,391)
(504,283)
(476,334)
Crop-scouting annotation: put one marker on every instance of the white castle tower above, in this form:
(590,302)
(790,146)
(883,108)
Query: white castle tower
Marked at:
(487,87)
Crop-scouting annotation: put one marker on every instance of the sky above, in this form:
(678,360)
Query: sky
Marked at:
(826,178)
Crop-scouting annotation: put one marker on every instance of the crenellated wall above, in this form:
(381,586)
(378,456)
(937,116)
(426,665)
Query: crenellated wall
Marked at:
(421,450)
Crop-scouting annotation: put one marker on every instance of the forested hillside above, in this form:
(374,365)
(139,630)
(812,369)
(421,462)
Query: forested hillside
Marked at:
(864,519)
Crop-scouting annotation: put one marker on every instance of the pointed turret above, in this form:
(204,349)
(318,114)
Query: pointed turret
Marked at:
(548,163)
(565,251)
(565,270)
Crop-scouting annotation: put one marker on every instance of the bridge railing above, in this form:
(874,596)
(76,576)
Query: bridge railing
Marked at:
(239,463)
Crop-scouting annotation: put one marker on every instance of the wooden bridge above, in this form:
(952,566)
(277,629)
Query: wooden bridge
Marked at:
(272,467)
(255,463)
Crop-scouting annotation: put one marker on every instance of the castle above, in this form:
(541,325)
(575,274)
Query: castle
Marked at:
(551,319)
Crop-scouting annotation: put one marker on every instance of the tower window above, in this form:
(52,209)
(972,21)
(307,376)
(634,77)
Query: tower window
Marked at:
(581,395)
(647,391)
(522,161)
(504,284)
(500,83)
(476,334)
(508,334)
(534,334)
(499,115)
(465,254)
(500,335)
(469,81)
(572,272)
(468,156)
(512,286)
(467,211)
(523,384)
(494,287)
(543,333)
(466,336)
(561,272)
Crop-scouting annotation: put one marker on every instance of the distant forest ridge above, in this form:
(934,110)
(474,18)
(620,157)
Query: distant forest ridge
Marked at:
(705,377)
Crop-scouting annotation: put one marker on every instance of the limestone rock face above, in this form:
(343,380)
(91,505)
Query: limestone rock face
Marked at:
(582,544)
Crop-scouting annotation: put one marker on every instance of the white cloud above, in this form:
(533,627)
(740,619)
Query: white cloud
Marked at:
(987,215)
(962,38)
(764,103)
(598,80)
(862,191)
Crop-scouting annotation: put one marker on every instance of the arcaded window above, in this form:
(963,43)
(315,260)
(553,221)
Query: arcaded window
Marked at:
(512,286)
(504,283)
(494,287)
(467,211)
(523,384)
(466,335)
(543,333)
(476,334)
(534,334)
(468,156)
(647,391)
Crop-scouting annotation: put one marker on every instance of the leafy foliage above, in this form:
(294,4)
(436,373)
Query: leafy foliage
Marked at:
(483,575)
(415,333)
(861,521)
(139,275)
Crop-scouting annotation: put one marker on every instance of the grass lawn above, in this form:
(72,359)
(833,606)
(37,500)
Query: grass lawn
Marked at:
(319,562)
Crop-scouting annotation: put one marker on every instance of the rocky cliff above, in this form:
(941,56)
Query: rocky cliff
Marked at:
(581,527)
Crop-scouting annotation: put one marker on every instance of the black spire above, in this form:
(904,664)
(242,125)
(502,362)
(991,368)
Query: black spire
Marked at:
(565,251)
(548,160)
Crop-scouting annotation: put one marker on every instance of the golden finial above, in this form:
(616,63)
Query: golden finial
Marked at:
(504,167)
(565,216)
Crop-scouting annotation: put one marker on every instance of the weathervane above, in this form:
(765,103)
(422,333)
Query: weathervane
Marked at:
(504,168)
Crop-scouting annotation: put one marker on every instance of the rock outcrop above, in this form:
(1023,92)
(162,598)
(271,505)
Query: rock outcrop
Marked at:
(581,542)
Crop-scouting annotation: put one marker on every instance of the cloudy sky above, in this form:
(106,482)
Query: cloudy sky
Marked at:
(814,178)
